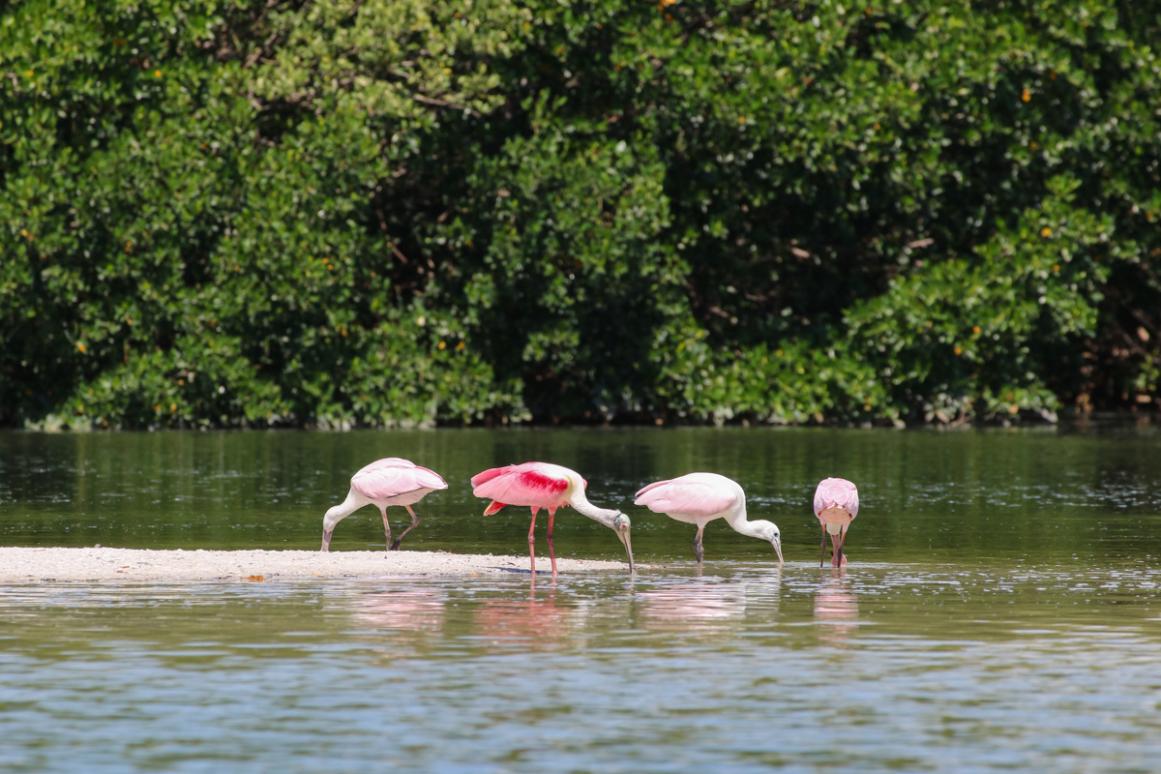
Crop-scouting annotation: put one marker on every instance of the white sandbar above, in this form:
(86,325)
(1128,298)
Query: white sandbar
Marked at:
(130,564)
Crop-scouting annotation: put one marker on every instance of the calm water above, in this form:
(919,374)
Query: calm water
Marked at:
(1002,610)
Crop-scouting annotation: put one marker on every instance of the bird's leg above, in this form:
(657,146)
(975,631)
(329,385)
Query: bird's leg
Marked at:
(532,542)
(551,548)
(822,546)
(386,526)
(326,540)
(403,534)
(842,541)
(698,551)
(836,542)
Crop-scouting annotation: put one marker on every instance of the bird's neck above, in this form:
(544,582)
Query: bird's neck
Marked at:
(341,511)
(739,522)
(585,508)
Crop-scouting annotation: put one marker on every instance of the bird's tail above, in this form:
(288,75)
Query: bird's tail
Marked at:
(487,475)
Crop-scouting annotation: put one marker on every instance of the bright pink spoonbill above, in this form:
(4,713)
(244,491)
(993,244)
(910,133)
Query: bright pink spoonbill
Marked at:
(544,485)
(699,498)
(836,504)
(389,481)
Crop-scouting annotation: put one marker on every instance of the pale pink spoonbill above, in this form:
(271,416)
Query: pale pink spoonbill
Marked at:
(389,481)
(699,498)
(836,504)
(544,485)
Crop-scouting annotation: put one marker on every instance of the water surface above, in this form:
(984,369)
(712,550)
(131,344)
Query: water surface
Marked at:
(1002,610)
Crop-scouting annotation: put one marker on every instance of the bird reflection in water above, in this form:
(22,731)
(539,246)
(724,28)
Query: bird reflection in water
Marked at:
(707,605)
(400,624)
(836,606)
(405,610)
(536,622)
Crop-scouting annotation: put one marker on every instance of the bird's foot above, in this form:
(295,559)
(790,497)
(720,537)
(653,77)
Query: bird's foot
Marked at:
(394,546)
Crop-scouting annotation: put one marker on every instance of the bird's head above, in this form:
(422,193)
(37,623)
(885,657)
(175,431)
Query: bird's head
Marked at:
(768,530)
(621,525)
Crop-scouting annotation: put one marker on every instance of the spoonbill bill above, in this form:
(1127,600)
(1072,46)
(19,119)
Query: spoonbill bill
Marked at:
(544,485)
(389,481)
(699,498)
(836,504)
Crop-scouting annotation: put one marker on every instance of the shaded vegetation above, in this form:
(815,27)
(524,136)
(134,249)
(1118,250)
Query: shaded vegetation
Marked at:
(383,212)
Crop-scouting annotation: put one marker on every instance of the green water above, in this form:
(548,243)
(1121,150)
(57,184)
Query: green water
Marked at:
(1002,610)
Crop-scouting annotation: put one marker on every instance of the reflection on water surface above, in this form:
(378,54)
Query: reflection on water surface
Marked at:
(736,667)
(1003,611)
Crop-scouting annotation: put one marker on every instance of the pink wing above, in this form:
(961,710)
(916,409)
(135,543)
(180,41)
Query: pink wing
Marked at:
(836,493)
(694,494)
(394,476)
(529,483)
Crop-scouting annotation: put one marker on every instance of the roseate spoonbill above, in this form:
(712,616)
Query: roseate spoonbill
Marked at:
(699,498)
(836,504)
(544,485)
(389,481)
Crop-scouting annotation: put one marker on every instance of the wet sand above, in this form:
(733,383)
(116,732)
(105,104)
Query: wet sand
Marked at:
(128,564)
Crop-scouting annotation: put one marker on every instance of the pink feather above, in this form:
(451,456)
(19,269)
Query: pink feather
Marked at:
(691,495)
(394,476)
(530,483)
(836,493)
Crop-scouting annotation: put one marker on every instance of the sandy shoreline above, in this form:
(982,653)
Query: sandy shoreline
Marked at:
(130,564)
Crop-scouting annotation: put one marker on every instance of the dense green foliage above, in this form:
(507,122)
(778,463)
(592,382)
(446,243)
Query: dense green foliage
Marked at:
(378,212)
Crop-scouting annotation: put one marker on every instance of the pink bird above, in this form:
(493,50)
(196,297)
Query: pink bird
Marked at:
(389,481)
(699,498)
(836,504)
(544,485)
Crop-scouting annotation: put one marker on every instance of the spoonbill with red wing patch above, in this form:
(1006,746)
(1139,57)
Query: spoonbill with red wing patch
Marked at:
(544,485)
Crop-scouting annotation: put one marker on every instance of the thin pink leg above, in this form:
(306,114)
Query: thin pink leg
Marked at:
(551,548)
(532,541)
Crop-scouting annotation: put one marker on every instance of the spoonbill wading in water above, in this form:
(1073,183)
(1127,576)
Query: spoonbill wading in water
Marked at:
(699,498)
(836,504)
(389,481)
(544,485)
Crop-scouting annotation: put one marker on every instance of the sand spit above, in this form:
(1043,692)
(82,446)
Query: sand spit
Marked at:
(18,565)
